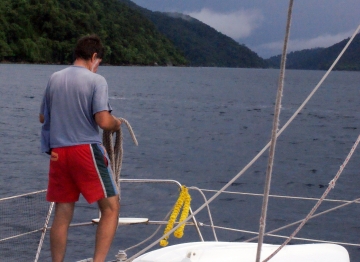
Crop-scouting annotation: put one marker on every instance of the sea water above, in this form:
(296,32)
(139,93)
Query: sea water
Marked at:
(201,126)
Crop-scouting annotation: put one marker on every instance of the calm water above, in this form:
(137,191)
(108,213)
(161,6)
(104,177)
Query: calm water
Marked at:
(201,126)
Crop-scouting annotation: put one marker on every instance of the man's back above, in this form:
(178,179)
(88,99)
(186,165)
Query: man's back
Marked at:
(72,97)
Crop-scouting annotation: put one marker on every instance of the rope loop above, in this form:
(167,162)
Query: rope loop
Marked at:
(114,148)
(182,202)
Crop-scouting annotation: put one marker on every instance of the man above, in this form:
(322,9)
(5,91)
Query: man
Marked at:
(74,105)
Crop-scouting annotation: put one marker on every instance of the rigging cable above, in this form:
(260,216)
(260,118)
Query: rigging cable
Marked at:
(274,135)
(258,155)
(331,186)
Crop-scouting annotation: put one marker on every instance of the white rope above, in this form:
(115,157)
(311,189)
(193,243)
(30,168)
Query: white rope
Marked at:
(281,236)
(331,186)
(115,148)
(22,195)
(280,196)
(250,163)
(44,232)
(320,82)
(231,181)
(20,235)
(345,203)
(311,217)
(151,236)
(208,209)
(274,136)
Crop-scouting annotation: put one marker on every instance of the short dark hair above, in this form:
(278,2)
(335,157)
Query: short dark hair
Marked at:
(88,45)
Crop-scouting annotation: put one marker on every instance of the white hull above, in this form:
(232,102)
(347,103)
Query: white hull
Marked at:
(245,252)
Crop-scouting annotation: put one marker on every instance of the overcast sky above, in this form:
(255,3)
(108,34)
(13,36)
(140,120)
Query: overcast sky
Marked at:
(260,24)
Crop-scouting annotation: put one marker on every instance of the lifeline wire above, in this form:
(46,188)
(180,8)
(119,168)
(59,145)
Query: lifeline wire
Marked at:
(313,216)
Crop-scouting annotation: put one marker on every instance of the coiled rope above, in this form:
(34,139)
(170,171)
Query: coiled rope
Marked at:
(115,148)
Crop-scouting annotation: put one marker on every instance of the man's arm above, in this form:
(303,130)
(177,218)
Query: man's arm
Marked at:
(106,121)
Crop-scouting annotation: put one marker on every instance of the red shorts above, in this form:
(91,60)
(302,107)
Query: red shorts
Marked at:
(80,169)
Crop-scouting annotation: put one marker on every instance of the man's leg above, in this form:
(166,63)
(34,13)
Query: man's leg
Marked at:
(59,229)
(108,223)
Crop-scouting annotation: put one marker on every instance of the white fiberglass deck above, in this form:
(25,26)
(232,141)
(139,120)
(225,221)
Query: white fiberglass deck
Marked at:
(245,252)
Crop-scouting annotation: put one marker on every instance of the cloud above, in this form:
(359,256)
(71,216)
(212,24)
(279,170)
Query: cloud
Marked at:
(301,44)
(238,24)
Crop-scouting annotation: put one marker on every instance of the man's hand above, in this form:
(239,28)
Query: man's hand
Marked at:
(118,123)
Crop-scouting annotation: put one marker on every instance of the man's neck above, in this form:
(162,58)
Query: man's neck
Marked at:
(83,63)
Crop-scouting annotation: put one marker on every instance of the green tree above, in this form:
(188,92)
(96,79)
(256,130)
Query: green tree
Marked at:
(45,31)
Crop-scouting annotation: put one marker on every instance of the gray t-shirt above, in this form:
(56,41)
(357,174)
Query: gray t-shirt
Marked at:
(71,99)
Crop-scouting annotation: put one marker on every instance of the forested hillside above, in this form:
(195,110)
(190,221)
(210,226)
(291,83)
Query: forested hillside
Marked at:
(45,31)
(201,44)
(322,58)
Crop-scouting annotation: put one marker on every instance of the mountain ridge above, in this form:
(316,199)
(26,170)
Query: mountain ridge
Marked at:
(45,31)
(322,58)
(201,44)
